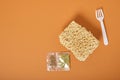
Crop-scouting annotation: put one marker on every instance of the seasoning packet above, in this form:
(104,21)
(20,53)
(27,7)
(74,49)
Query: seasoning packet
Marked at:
(58,61)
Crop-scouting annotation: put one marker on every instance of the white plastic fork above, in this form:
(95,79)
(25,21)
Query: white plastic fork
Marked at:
(100,17)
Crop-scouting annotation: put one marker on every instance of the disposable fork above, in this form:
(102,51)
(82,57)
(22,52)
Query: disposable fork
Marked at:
(100,18)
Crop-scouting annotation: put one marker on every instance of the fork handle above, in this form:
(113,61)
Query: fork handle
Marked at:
(105,39)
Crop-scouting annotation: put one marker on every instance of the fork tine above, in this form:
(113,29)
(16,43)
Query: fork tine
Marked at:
(99,13)
(102,12)
(96,12)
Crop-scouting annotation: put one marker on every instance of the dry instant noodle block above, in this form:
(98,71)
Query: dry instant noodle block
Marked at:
(78,40)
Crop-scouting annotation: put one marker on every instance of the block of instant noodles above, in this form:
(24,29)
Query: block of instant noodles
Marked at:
(78,40)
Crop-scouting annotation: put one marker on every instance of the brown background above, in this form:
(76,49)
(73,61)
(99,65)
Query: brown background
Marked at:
(29,29)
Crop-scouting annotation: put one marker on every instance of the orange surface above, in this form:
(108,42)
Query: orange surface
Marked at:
(29,29)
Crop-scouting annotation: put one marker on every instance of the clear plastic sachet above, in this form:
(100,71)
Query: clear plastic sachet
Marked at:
(58,61)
